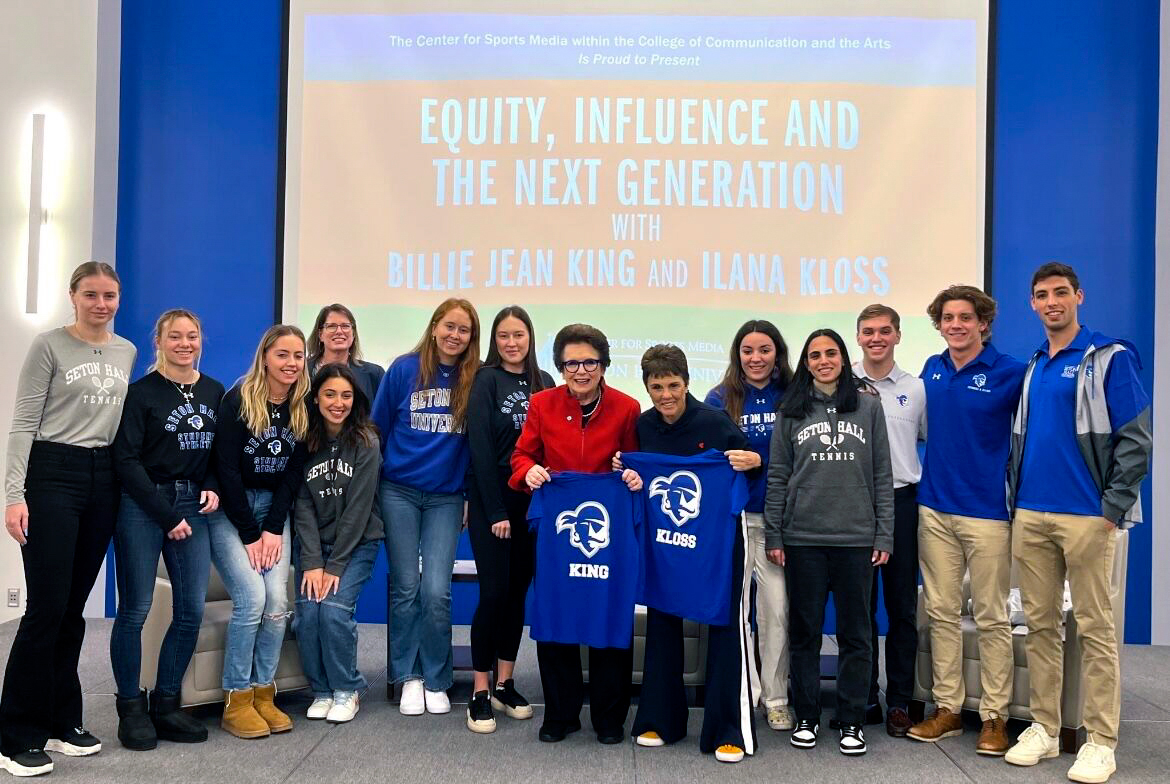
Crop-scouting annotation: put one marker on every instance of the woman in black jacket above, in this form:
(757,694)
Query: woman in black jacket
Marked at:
(497,515)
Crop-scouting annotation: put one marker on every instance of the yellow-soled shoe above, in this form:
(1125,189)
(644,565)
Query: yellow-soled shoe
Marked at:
(649,739)
(729,753)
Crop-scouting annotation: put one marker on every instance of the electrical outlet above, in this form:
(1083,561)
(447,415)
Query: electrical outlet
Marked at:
(13,597)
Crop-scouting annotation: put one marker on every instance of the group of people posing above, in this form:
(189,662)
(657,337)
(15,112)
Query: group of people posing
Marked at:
(315,459)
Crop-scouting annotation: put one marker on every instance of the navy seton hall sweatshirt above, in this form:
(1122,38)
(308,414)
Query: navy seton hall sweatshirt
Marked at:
(830,482)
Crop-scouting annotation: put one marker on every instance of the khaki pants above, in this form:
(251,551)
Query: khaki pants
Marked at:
(948,546)
(1047,547)
(771,615)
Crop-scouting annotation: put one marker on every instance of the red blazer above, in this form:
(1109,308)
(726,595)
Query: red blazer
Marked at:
(553,436)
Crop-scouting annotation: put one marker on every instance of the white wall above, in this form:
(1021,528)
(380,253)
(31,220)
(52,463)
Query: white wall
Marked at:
(1160,478)
(60,58)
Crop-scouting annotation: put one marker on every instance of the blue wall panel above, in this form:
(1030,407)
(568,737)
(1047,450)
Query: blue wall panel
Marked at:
(1076,126)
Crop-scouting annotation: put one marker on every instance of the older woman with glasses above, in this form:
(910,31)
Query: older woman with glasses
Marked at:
(579,426)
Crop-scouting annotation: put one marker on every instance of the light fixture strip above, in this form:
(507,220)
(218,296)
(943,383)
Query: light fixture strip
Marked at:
(36,212)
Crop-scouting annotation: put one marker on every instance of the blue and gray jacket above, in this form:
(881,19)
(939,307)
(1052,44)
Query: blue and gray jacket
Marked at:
(1115,443)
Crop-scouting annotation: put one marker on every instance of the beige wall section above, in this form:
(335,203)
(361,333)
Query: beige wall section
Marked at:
(60,58)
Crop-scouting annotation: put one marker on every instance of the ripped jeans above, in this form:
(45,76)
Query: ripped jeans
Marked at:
(260,603)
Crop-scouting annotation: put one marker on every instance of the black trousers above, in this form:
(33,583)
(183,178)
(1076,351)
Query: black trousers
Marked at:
(728,717)
(72,496)
(505,572)
(810,572)
(564,691)
(899,582)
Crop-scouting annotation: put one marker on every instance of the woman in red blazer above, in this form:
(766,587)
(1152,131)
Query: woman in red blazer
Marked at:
(579,426)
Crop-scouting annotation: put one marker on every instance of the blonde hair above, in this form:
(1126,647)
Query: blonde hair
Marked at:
(254,388)
(160,328)
(428,359)
(90,269)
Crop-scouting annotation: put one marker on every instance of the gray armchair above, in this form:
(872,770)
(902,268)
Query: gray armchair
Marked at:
(202,682)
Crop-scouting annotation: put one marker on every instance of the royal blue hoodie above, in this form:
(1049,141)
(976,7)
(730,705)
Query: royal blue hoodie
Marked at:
(418,448)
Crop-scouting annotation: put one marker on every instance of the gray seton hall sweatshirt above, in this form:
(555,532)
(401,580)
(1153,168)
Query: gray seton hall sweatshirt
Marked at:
(829,478)
(337,507)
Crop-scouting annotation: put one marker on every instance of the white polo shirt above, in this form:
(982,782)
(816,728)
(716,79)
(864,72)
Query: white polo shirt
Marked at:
(904,401)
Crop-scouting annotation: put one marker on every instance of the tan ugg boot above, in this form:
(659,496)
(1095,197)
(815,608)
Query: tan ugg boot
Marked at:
(276,719)
(240,717)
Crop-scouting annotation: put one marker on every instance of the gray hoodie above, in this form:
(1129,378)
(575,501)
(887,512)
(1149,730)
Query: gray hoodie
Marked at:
(337,507)
(829,478)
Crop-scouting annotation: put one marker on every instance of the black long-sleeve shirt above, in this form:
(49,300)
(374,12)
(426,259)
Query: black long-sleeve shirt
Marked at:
(271,460)
(496,412)
(164,437)
(699,428)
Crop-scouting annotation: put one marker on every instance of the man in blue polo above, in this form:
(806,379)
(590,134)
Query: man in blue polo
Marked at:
(1080,450)
(971,394)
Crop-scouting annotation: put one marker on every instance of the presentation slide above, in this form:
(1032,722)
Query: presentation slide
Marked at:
(663,171)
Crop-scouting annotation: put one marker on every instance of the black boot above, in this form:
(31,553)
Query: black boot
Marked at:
(135,729)
(171,723)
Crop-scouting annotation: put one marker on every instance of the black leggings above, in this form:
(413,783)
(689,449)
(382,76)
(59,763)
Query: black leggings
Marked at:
(72,496)
(505,571)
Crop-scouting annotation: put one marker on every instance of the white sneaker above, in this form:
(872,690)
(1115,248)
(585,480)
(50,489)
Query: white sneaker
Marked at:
(345,707)
(437,702)
(412,703)
(1033,745)
(319,709)
(781,718)
(1094,765)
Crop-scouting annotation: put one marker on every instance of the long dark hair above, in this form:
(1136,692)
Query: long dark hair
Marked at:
(358,429)
(797,402)
(734,381)
(531,368)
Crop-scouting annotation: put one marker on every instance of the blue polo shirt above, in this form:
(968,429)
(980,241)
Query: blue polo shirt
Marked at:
(969,431)
(1053,474)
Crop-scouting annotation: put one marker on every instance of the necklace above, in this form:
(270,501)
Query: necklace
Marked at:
(187,393)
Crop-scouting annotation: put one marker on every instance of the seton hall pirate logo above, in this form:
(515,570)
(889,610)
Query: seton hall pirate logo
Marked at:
(681,494)
(588,527)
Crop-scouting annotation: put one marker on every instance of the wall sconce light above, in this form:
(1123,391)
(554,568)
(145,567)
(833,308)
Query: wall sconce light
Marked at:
(37,215)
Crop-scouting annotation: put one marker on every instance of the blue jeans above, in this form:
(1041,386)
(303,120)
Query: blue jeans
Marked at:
(259,601)
(326,631)
(138,542)
(427,525)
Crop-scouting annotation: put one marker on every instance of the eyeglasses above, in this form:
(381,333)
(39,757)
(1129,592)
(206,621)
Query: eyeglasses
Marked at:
(335,327)
(573,365)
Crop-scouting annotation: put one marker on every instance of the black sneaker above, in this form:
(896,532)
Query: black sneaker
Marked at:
(804,734)
(34,762)
(74,742)
(479,714)
(505,698)
(852,739)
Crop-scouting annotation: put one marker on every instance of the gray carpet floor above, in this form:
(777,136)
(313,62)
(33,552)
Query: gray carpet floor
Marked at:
(381,745)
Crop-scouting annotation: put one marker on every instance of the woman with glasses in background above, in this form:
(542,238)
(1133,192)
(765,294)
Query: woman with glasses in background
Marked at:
(335,339)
